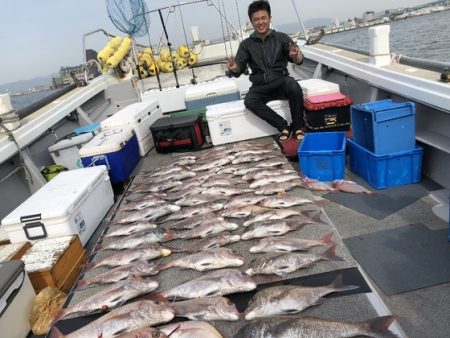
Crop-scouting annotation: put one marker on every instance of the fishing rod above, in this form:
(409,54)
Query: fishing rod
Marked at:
(169,46)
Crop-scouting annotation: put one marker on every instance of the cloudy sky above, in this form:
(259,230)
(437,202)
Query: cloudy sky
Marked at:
(40,36)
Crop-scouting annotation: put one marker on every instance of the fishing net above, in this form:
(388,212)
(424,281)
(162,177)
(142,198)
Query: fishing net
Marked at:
(129,16)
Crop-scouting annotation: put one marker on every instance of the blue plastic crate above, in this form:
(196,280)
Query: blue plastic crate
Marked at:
(385,171)
(322,155)
(384,127)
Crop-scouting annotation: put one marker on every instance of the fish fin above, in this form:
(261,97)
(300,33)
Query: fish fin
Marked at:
(55,333)
(213,293)
(97,247)
(317,218)
(291,311)
(380,325)
(155,296)
(89,266)
(328,239)
(330,255)
(338,285)
(81,284)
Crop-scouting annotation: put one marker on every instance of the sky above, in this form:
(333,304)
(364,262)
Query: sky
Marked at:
(40,36)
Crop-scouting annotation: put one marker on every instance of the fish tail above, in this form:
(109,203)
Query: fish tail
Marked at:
(316,218)
(55,333)
(328,239)
(380,326)
(81,284)
(330,254)
(338,284)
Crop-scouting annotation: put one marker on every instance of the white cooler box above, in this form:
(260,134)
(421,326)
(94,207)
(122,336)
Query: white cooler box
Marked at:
(139,116)
(66,152)
(16,300)
(313,87)
(232,122)
(211,92)
(74,202)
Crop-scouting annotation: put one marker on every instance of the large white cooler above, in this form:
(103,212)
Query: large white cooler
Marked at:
(16,300)
(66,152)
(232,122)
(74,202)
(211,92)
(139,116)
(313,87)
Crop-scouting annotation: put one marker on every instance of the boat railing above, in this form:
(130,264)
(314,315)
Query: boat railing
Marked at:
(432,65)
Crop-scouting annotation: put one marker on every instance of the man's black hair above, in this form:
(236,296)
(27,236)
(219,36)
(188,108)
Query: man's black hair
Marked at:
(260,5)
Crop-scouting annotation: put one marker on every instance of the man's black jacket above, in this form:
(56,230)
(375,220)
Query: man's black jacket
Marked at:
(267,58)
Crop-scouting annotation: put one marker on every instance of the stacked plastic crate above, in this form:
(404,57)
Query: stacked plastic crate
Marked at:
(326,108)
(383,149)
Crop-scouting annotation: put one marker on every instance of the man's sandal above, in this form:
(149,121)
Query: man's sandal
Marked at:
(299,135)
(284,135)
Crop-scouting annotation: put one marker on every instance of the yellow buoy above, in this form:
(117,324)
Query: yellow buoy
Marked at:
(192,59)
(148,51)
(183,51)
(164,55)
(166,67)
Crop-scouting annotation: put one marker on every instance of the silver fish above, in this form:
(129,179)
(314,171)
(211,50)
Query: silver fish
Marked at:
(186,190)
(272,214)
(128,229)
(290,299)
(135,269)
(309,327)
(273,162)
(210,259)
(252,152)
(195,211)
(266,172)
(146,332)
(157,187)
(141,205)
(191,329)
(250,159)
(282,264)
(108,298)
(283,201)
(208,308)
(315,185)
(276,227)
(226,182)
(289,243)
(243,200)
(192,222)
(207,229)
(275,188)
(130,197)
(209,243)
(134,241)
(126,318)
(213,164)
(217,283)
(242,212)
(273,179)
(198,199)
(129,256)
(248,169)
(225,191)
(149,214)
(166,170)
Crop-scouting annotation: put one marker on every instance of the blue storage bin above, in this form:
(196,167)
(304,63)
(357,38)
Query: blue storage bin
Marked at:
(116,148)
(385,171)
(89,128)
(384,127)
(322,155)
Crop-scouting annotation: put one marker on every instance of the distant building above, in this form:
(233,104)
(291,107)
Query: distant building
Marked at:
(368,16)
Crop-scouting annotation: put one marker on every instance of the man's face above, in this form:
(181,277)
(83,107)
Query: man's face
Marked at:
(261,22)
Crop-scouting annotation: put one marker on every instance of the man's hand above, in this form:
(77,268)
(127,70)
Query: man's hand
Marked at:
(294,53)
(232,65)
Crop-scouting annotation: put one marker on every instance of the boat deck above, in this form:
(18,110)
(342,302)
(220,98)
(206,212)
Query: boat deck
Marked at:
(419,313)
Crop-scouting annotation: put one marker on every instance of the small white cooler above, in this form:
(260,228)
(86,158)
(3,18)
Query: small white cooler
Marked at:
(66,152)
(74,202)
(139,116)
(232,122)
(211,92)
(313,87)
(16,300)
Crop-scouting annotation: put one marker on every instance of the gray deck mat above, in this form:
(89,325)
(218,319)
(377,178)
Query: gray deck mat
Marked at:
(350,307)
(407,258)
(384,203)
